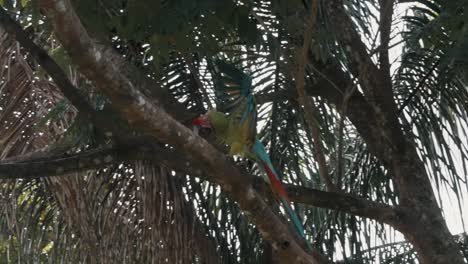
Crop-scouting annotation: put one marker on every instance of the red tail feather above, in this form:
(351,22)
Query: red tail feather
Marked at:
(275,183)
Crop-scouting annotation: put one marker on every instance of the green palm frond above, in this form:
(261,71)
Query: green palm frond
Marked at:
(433,95)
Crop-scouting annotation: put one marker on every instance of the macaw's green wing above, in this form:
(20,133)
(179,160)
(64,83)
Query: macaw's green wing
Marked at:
(234,97)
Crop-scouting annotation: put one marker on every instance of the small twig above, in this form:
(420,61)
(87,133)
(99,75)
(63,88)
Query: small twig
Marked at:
(339,160)
(307,103)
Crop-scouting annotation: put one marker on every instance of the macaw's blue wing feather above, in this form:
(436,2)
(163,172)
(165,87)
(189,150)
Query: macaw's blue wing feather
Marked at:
(234,96)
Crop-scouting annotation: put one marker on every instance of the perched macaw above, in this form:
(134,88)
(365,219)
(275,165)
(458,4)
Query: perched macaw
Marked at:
(235,124)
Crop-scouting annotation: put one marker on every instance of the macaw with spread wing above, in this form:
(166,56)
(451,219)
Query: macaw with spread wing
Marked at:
(235,124)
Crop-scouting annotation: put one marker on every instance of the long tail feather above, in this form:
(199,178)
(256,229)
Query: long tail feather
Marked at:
(275,183)
(260,153)
(279,189)
(296,222)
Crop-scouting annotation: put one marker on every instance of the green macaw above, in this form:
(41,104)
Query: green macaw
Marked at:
(235,125)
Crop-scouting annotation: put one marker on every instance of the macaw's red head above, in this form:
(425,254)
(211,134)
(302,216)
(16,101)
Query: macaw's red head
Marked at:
(202,121)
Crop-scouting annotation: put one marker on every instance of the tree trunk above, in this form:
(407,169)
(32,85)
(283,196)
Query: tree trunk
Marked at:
(423,225)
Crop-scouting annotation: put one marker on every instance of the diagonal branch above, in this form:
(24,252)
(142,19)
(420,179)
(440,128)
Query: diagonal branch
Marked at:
(122,84)
(360,60)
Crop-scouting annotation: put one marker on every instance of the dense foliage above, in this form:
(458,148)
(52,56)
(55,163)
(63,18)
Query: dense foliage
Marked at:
(143,212)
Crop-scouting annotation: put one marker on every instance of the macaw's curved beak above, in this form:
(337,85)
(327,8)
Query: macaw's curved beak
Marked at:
(202,121)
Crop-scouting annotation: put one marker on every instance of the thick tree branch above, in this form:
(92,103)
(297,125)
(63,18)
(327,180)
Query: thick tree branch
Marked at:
(345,203)
(47,164)
(112,74)
(386,12)
(358,109)
(376,85)
(361,61)
(82,48)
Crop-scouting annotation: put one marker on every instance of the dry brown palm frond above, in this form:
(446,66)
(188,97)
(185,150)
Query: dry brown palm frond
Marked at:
(133,212)
(24,100)
(165,224)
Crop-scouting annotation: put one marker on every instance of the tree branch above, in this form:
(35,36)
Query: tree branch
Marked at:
(361,61)
(122,84)
(386,12)
(49,163)
(139,149)
(358,109)
(346,203)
